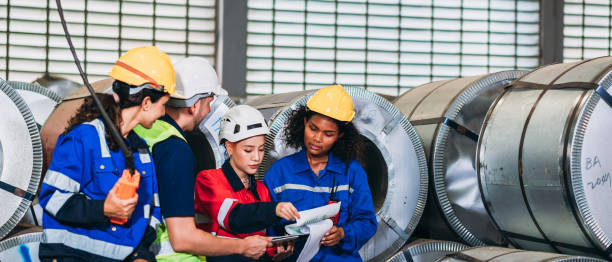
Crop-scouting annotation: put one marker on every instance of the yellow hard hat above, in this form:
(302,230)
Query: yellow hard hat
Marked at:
(145,65)
(332,101)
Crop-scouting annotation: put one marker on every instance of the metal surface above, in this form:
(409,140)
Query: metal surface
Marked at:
(396,167)
(41,101)
(204,142)
(500,254)
(23,247)
(456,205)
(57,122)
(22,158)
(425,250)
(542,159)
(61,86)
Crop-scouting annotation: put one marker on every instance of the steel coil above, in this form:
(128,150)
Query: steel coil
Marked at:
(20,158)
(61,86)
(542,159)
(448,115)
(23,246)
(395,163)
(41,101)
(500,254)
(425,250)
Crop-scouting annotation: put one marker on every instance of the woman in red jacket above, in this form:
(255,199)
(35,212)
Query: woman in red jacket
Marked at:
(229,202)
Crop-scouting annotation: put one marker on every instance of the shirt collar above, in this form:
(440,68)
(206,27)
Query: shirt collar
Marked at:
(167,118)
(234,179)
(334,163)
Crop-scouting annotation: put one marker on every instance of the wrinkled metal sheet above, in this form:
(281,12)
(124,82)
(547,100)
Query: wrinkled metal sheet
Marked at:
(549,188)
(20,157)
(425,250)
(399,196)
(500,254)
(456,211)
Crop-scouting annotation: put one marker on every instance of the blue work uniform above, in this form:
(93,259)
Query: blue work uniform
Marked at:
(290,179)
(81,174)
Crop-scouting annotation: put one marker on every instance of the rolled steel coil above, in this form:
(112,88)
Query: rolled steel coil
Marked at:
(40,100)
(500,254)
(425,250)
(23,246)
(448,115)
(20,158)
(61,86)
(395,162)
(543,159)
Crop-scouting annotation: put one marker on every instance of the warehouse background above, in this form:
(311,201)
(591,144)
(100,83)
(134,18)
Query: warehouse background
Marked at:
(275,46)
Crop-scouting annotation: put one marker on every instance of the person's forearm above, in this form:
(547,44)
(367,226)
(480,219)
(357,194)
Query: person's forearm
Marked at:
(202,243)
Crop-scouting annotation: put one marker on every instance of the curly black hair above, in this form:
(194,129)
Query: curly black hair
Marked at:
(347,148)
(89,111)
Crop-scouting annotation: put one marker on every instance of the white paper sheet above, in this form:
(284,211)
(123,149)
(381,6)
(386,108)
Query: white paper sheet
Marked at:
(313,243)
(314,222)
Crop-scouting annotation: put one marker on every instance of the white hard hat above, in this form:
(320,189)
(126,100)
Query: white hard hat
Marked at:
(241,122)
(195,79)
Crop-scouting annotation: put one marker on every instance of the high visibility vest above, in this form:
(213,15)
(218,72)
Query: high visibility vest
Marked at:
(160,131)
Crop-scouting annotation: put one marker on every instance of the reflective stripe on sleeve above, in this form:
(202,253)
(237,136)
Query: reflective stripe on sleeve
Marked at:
(57,201)
(155,200)
(61,181)
(87,244)
(224,211)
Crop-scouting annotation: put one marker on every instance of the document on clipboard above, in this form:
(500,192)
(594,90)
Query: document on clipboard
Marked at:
(315,223)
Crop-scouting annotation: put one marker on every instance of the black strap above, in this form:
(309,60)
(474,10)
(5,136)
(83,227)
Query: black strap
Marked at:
(16,191)
(604,95)
(461,129)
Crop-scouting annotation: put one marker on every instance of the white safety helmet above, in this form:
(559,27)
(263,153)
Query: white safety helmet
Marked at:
(241,122)
(195,79)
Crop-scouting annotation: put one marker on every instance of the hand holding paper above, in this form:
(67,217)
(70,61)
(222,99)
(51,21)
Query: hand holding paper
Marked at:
(316,223)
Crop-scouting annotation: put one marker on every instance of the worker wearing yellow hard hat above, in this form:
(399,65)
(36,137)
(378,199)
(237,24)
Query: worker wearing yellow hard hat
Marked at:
(145,67)
(84,211)
(325,171)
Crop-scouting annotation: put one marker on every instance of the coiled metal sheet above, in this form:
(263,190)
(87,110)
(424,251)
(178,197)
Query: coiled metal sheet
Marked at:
(425,250)
(23,247)
(500,254)
(396,167)
(20,158)
(544,159)
(61,86)
(41,101)
(447,116)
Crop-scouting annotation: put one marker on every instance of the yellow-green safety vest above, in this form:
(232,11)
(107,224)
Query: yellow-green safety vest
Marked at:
(160,131)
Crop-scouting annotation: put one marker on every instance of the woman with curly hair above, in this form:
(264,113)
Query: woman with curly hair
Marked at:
(85,219)
(324,171)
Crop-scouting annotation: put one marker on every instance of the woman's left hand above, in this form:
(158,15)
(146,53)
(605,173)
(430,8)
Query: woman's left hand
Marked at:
(283,251)
(333,236)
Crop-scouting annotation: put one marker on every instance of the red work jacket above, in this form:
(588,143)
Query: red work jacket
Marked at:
(216,194)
